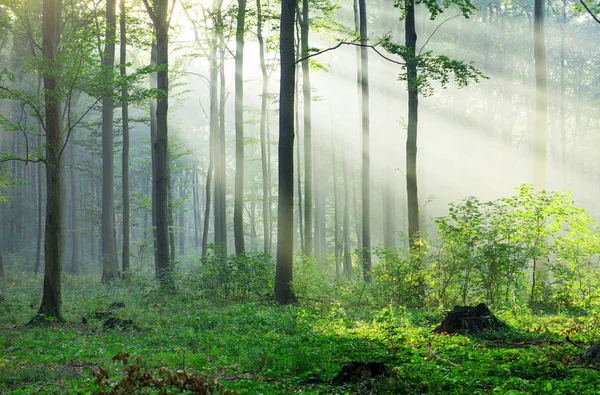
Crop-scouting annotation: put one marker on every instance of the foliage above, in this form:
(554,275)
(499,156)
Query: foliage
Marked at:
(262,348)
(485,249)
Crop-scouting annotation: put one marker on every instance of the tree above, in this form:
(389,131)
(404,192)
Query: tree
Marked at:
(125,126)
(366,161)
(161,18)
(285,210)
(238,209)
(51,306)
(306,98)
(110,269)
(421,68)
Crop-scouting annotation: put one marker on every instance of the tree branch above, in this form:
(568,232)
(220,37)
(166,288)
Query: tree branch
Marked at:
(151,13)
(171,14)
(435,30)
(373,47)
(26,160)
(589,11)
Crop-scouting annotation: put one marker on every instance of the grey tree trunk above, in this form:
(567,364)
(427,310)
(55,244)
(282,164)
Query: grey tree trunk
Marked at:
(411,139)
(541,106)
(51,306)
(266,206)
(346,225)
(40,228)
(159,15)
(212,141)
(306,97)
(110,268)
(285,210)
(220,168)
(238,205)
(366,161)
(76,235)
(125,153)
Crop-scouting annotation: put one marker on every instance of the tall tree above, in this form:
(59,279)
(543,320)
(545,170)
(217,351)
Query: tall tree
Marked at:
(51,306)
(285,209)
(541,101)
(76,234)
(306,98)
(263,139)
(410,35)
(238,205)
(125,153)
(110,269)
(161,17)
(366,161)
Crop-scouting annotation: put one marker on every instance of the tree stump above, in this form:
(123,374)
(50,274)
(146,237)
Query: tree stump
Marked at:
(470,320)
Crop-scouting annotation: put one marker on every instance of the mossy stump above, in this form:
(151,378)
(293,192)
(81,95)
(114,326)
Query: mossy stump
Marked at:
(472,320)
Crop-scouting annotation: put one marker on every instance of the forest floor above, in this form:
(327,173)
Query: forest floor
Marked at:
(260,348)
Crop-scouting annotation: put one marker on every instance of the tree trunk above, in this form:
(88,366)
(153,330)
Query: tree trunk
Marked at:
(40,227)
(539,54)
(411,139)
(220,168)
(306,97)
(125,154)
(76,250)
(110,268)
(171,185)
(366,165)
(182,220)
(238,206)
(51,306)
(346,225)
(1,266)
(159,14)
(285,210)
(263,145)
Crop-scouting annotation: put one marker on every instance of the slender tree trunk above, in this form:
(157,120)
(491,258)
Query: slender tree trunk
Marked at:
(337,248)
(541,106)
(153,133)
(182,220)
(51,306)
(110,268)
(171,185)
(40,227)
(346,225)
(220,168)
(1,266)
(366,161)
(196,198)
(563,132)
(125,154)
(285,211)
(308,170)
(263,145)
(411,139)
(238,206)
(76,234)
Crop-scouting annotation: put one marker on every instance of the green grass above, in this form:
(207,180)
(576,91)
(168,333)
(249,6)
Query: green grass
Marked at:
(255,348)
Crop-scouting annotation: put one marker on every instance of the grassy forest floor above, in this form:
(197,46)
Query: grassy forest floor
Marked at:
(260,348)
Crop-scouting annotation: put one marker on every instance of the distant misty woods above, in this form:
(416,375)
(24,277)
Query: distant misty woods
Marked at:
(286,150)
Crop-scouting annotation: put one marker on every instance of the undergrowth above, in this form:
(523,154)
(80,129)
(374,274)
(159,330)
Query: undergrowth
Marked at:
(251,346)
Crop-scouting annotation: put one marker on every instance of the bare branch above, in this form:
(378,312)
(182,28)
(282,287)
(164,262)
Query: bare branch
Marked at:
(171,14)
(589,11)
(38,113)
(435,30)
(373,47)
(26,160)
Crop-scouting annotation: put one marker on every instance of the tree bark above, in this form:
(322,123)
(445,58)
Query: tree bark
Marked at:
(220,167)
(40,228)
(266,206)
(76,234)
(238,206)
(110,268)
(366,162)
(306,97)
(160,17)
(285,210)
(125,153)
(411,139)
(51,306)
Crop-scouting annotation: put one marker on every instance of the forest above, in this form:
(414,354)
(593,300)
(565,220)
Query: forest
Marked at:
(299,196)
